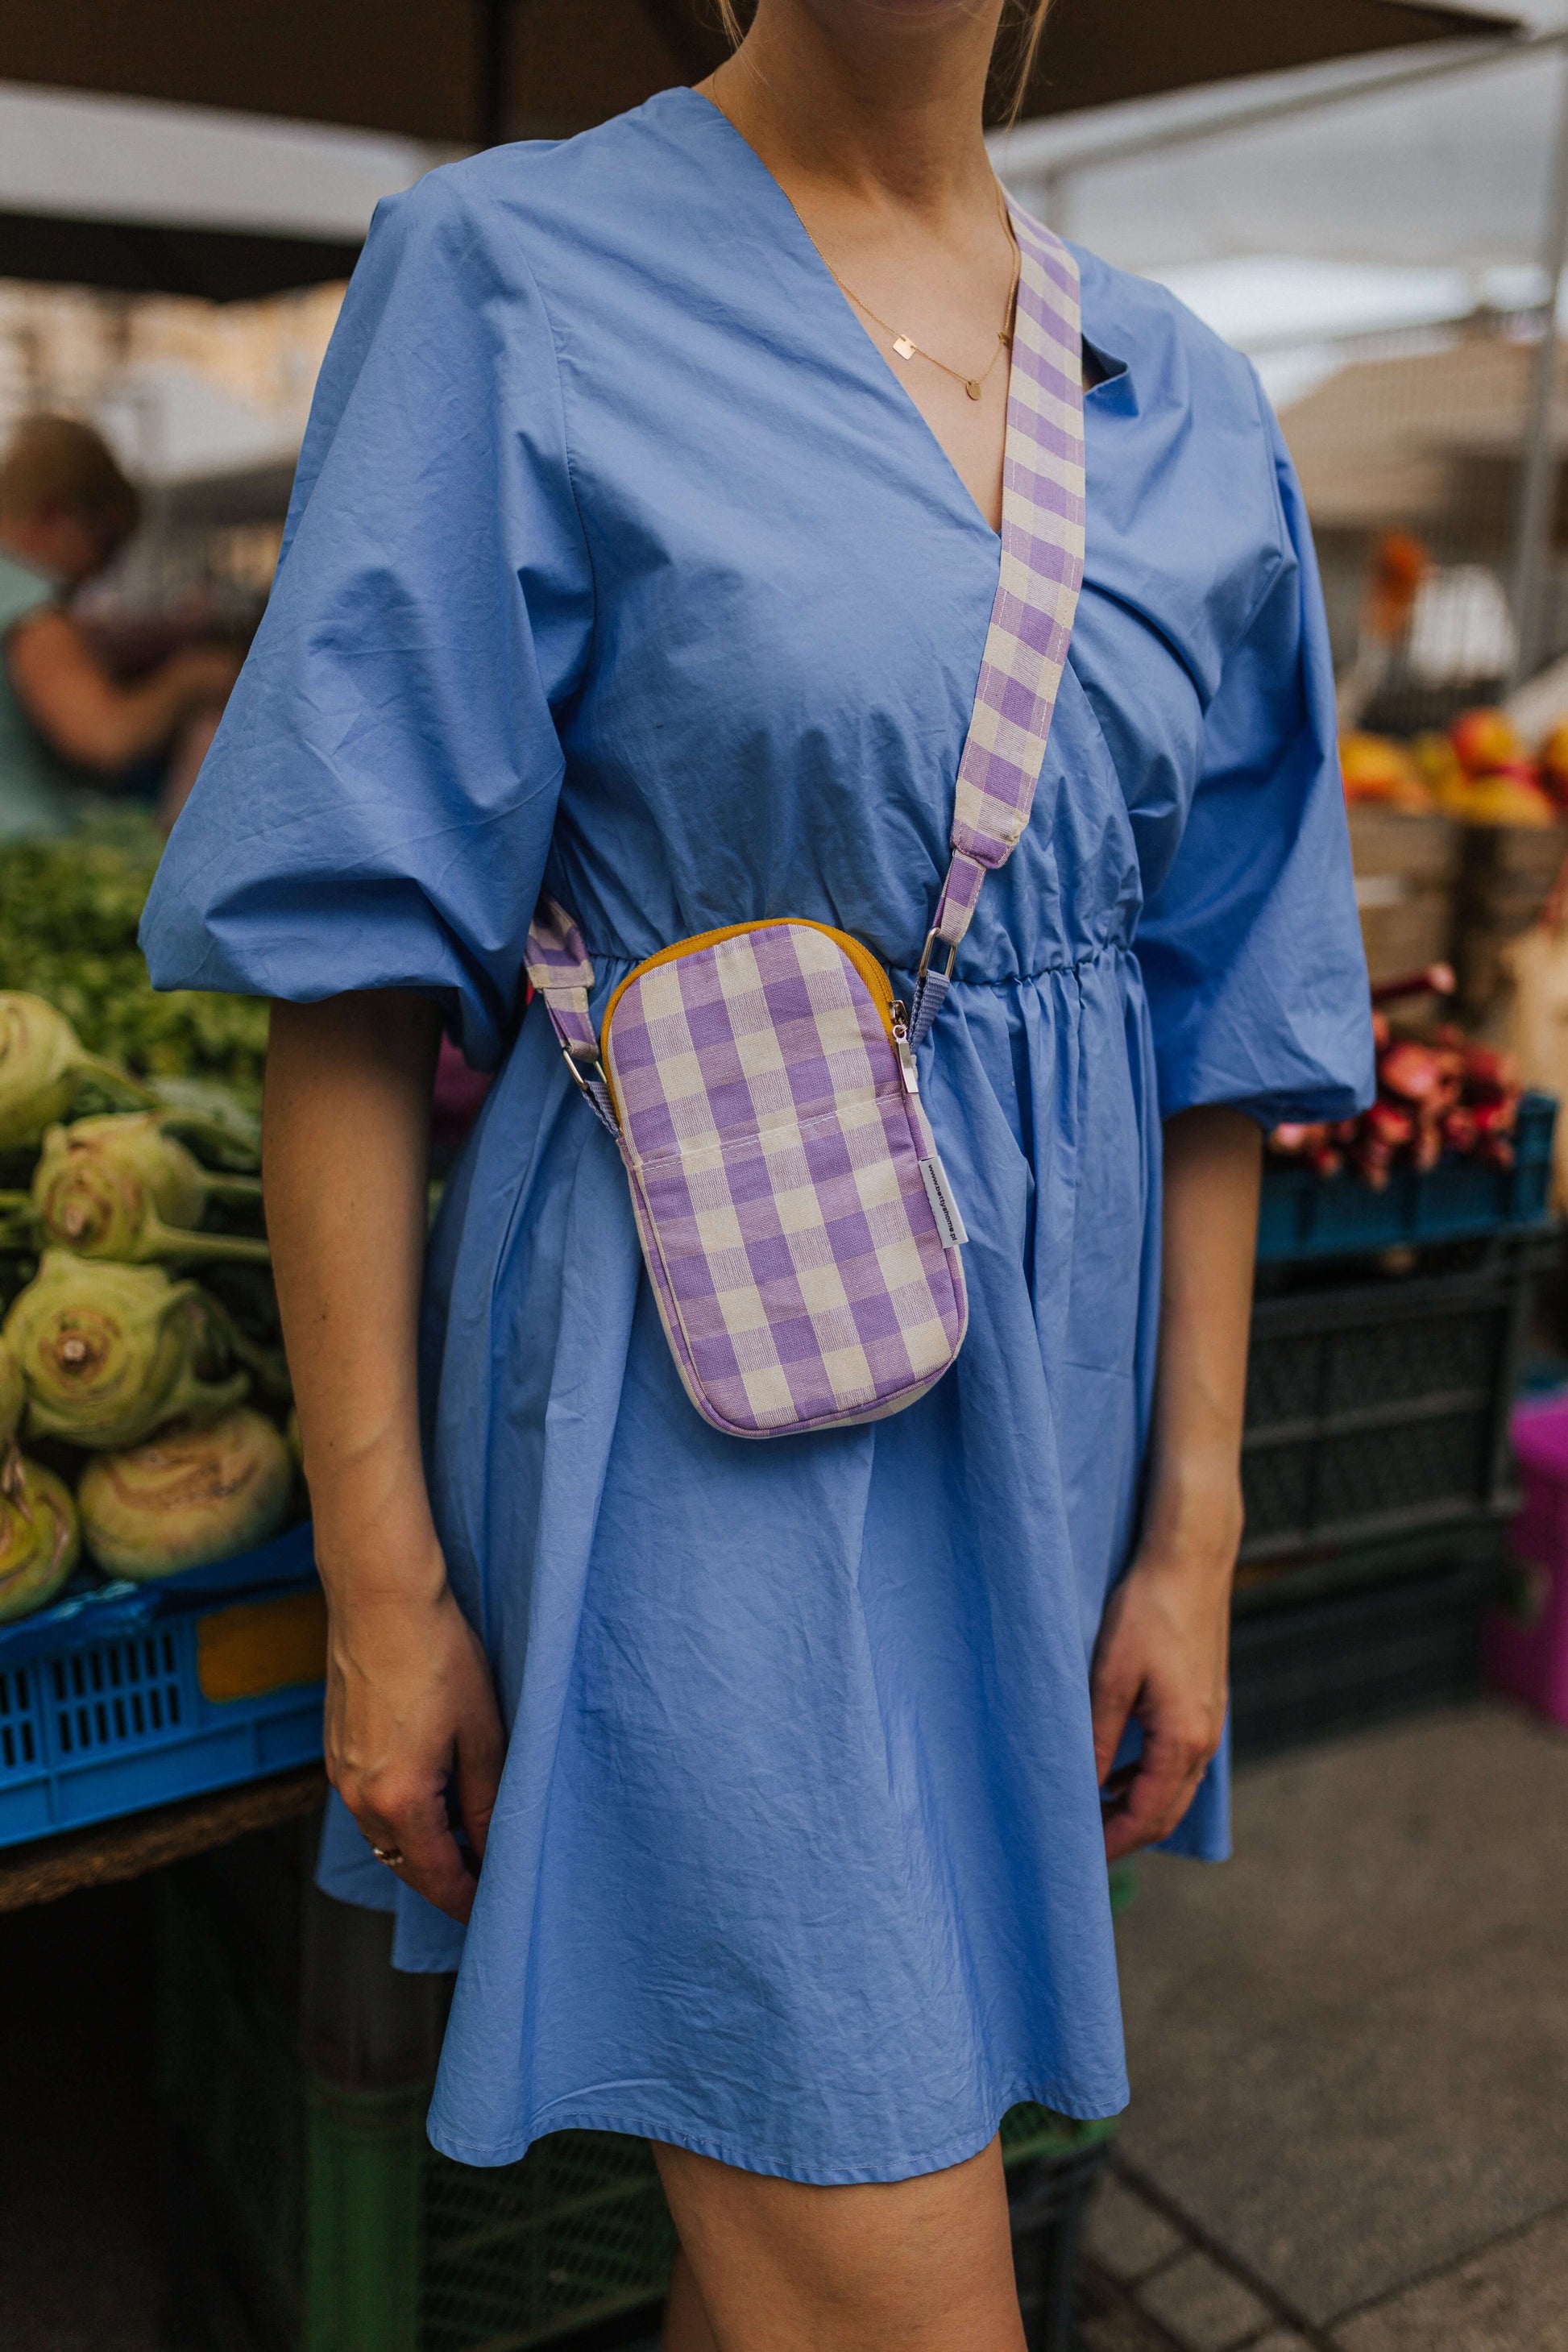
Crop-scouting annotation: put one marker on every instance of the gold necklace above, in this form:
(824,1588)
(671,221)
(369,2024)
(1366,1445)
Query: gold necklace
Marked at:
(908,348)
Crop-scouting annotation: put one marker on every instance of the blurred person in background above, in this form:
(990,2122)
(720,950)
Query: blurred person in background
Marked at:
(66,722)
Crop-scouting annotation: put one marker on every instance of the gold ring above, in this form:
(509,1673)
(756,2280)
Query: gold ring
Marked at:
(392,1856)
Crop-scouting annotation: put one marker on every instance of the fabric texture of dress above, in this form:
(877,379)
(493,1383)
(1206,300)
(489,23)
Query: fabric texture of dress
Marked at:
(620,561)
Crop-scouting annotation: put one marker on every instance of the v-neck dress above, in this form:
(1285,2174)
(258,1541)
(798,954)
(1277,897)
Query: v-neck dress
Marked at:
(621,562)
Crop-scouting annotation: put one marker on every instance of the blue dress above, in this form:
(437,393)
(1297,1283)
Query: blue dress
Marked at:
(620,560)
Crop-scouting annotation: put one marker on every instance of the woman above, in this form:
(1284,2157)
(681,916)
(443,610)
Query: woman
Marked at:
(635,554)
(66,510)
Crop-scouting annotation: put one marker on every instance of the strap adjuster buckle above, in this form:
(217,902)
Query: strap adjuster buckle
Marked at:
(585,1075)
(933,940)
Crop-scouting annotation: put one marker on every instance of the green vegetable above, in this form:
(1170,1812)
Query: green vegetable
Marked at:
(44,1070)
(211,1115)
(111,1352)
(40,1538)
(12,1399)
(125,1188)
(68,913)
(189,1495)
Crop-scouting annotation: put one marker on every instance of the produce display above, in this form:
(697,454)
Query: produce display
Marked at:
(193,1493)
(128,1379)
(40,1536)
(1438,1092)
(68,913)
(1480,771)
(141,1410)
(126,1187)
(109,1353)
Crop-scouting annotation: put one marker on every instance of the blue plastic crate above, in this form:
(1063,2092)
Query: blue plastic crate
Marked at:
(107,1704)
(1305,1215)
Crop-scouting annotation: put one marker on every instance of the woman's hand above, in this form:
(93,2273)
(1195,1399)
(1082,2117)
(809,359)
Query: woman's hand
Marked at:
(90,716)
(414,1736)
(1161,1659)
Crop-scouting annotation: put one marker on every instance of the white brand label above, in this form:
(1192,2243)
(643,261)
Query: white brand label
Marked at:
(943,1207)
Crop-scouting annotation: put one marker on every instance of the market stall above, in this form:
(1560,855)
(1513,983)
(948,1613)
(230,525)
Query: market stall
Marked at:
(161,1627)
(456,74)
(430,68)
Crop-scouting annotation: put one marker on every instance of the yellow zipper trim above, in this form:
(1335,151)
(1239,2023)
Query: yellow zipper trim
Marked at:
(864,962)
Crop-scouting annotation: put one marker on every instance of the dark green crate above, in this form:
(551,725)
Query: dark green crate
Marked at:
(1365,1636)
(1377,1406)
(576,2232)
(233,2090)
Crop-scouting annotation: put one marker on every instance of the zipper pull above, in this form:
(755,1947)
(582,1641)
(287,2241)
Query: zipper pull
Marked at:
(901,1047)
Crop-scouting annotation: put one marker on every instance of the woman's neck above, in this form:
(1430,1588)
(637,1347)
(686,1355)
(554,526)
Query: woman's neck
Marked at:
(879,101)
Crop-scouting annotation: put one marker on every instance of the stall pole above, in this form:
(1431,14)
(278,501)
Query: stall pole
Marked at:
(492,96)
(1538,483)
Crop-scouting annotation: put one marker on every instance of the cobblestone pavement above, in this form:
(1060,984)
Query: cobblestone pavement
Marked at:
(1349,2052)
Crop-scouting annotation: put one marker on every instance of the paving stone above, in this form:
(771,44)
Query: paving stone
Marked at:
(1508,2298)
(1125,2235)
(1342,2159)
(1202,2305)
(1120,2331)
(1279,2339)
(1107,2320)
(1350,2070)
(1357,1866)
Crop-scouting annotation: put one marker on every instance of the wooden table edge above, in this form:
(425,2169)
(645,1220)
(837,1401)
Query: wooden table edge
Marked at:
(47,1868)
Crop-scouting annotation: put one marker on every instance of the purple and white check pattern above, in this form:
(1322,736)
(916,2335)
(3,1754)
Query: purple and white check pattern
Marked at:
(559,969)
(776,1165)
(782,1177)
(1041,573)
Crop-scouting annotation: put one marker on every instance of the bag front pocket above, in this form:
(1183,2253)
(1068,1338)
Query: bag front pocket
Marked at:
(801,1274)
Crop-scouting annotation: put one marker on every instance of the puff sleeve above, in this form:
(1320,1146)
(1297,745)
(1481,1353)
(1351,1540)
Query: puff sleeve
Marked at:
(1249,943)
(377,806)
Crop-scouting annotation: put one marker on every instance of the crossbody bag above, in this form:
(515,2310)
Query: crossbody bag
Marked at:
(799,1231)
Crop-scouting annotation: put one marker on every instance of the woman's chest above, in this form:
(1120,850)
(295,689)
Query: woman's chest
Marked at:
(792,594)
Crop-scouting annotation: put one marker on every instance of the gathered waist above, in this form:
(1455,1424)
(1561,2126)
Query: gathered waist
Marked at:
(620,961)
(1112,951)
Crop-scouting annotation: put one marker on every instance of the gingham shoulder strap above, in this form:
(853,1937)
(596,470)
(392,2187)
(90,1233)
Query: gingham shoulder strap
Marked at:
(561,971)
(1036,596)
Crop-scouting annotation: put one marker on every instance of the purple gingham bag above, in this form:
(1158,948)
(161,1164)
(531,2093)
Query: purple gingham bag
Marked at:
(797,1225)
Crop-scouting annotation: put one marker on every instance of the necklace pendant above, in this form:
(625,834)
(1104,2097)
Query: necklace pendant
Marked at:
(904,348)
(971,387)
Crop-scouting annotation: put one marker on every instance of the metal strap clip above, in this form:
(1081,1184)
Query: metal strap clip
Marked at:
(588,1077)
(933,940)
(931,987)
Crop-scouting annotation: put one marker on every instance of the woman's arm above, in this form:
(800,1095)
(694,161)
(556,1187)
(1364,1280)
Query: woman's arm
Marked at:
(84,714)
(410,1708)
(1162,1647)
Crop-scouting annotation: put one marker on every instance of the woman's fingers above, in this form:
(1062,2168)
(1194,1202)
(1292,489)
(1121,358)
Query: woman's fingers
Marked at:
(482,1752)
(415,1826)
(479,1745)
(414,1742)
(1113,1700)
(1157,1796)
(1114,1684)
(1177,1748)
